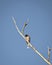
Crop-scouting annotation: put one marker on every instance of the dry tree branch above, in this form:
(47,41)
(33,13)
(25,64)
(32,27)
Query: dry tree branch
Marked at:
(30,45)
(25,24)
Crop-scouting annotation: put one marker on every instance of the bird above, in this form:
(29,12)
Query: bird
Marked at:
(27,37)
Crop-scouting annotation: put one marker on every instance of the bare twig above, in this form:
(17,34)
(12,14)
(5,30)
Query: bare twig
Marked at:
(25,24)
(30,45)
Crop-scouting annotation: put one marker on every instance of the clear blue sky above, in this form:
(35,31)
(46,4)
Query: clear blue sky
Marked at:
(13,49)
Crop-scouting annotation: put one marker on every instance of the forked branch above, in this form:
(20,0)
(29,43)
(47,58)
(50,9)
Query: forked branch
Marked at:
(30,45)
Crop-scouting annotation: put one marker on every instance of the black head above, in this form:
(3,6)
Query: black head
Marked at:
(26,35)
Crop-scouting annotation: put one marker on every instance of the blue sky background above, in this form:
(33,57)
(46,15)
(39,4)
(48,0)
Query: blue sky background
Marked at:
(13,49)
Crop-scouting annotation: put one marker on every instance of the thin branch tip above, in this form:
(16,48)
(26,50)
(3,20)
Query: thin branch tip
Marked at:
(13,20)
